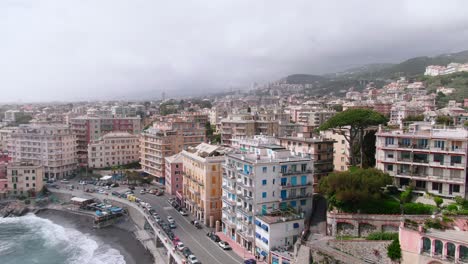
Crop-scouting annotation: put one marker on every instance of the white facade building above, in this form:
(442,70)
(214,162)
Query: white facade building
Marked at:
(113,149)
(53,146)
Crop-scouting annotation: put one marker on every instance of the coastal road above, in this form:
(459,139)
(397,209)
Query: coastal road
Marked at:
(206,250)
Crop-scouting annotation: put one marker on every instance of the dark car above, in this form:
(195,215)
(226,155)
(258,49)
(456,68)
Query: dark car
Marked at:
(131,187)
(250,261)
(213,237)
(186,252)
(116,194)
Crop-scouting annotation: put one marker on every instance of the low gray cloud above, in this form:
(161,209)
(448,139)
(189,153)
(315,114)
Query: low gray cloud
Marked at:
(88,49)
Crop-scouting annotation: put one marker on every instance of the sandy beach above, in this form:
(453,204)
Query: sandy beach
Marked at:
(119,236)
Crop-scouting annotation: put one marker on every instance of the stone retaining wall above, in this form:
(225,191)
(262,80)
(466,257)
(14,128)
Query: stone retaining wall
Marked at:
(368,251)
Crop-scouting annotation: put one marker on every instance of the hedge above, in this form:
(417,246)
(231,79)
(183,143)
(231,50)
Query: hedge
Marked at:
(382,236)
(418,208)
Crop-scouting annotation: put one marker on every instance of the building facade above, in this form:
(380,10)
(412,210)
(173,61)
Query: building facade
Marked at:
(24,178)
(202,182)
(89,128)
(52,146)
(114,149)
(341,149)
(269,182)
(430,158)
(174,178)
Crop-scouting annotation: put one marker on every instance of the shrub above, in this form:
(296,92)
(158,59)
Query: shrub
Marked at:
(433,223)
(382,236)
(418,208)
(438,201)
(394,250)
(463,212)
(405,197)
(452,207)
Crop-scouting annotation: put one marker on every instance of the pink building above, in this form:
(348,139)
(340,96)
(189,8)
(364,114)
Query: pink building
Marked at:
(174,179)
(432,246)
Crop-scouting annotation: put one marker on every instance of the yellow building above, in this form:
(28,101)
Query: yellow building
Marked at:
(202,180)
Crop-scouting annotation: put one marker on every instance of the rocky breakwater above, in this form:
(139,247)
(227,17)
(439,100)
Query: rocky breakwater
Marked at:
(11,209)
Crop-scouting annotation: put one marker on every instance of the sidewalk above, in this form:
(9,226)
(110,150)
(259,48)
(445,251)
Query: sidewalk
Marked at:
(240,251)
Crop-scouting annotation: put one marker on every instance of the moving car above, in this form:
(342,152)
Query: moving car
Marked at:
(224,245)
(170,219)
(142,191)
(64,181)
(192,259)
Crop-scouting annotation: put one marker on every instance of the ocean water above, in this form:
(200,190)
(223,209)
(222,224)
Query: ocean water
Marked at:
(30,239)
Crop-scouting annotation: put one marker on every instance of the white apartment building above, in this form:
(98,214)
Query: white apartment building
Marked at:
(113,149)
(5,133)
(269,182)
(52,146)
(433,159)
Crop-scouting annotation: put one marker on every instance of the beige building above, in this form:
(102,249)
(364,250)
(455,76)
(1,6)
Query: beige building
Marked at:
(25,178)
(52,146)
(113,149)
(341,150)
(5,133)
(202,180)
(167,137)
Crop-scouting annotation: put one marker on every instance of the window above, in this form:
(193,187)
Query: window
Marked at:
(436,186)
(388,141)
(303,202)
(284,168)
(342,141)
(455,188)
(264,195)
(274,168)
(456,159)
(389,167)
(293,203)
(273,181)
(303,180)
(421,184)
(264,169)
(293,167)
(264,182)
(284,181)
(303,167)
(439,144)
(294,181)
(342,159)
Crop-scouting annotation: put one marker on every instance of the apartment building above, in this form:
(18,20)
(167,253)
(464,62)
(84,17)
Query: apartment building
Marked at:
(52,146)
(202,179)
(24,178)
(260,186)
(318,148)
(88,128)
(249,125)
(114,149)
(341,149)
(433,159)
(5,133)
(169,136)
(174,179)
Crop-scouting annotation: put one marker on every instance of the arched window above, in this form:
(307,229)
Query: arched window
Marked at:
(438,247)
(426,245)
(450,250)
(463,253)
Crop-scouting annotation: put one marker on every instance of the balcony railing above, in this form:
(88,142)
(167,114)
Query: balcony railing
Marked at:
(288,185)
(290,172)
(300,196)
(228,201)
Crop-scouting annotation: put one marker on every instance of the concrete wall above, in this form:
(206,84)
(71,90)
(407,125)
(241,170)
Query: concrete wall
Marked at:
(375,251)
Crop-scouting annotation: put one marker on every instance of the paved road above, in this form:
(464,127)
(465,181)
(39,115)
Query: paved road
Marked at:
(203,248)
(206,250)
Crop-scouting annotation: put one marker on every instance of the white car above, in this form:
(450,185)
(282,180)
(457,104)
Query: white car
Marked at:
(170,219)
(180,246)
(224,245)
(64,181)
(192,259)
(183,212)
(142,192)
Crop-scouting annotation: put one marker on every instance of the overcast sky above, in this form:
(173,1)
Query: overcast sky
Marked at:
(117,49)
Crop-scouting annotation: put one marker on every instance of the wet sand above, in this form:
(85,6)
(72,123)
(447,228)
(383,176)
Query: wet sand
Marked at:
(118,236)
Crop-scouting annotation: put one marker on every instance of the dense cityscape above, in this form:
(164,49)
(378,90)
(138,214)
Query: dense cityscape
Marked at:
(375,174)
(234,132)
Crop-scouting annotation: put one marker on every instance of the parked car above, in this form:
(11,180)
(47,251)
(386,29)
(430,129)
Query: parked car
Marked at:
(131,187)
(183,212)
(116,194)
(172,225)
(142,191)
(157,218)
(224,245)
(192,259)
(170,219)
(180,246)
(250,261)
(213,237)
(186,252)
(64,181)
(159,193)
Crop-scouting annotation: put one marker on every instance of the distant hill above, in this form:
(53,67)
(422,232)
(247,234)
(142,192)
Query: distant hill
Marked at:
(409,68)
(304,78)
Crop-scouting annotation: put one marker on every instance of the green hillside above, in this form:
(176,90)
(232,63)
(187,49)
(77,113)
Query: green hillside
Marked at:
(458,80)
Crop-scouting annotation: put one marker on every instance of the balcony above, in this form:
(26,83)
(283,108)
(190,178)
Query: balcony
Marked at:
(290,172)
(294,197)
(289,186)
(245,186)
(244,211)
(228,201)
(228,188)
(229,212)
(228,222)
(245,197)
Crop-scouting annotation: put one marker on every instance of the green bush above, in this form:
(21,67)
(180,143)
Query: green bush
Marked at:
(418,208)
(405,197)
(394,250)
(463,212)
(452,207)
(380,206)
(438,201)
(382,236)
(433,223)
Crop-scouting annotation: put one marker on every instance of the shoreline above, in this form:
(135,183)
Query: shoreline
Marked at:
(120,236)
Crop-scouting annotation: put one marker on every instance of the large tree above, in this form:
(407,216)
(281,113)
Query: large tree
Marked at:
(352,124)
